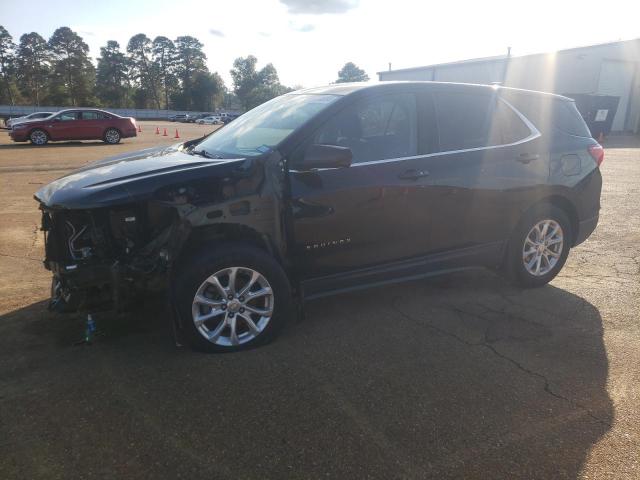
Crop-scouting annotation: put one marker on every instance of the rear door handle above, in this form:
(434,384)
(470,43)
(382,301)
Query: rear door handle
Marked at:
(413,174)
(527,157)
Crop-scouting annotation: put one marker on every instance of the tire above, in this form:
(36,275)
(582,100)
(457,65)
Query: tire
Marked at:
(533,261)
(112,136)
(39,137)
(196,278)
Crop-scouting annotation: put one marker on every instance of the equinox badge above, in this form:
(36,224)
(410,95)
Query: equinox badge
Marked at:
(328,243)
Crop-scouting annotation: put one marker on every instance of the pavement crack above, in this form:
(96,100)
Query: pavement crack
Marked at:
(487,345)
(19,257)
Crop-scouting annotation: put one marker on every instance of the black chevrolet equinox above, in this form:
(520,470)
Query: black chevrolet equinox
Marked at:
(322,191)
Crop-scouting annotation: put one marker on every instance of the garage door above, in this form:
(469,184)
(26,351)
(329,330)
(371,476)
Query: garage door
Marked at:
(615,79)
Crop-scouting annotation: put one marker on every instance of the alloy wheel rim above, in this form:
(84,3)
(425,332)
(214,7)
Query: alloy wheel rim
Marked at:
(233,306)
(38,137)
(542,247)
(112,136)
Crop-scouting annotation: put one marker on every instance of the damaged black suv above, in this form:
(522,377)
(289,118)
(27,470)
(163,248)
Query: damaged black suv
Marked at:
(321,191)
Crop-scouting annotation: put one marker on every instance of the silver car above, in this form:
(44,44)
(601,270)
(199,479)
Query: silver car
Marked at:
(32,116)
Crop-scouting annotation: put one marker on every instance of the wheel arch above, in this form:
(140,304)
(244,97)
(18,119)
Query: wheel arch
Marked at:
(225,232)
(558,201)
(111,127)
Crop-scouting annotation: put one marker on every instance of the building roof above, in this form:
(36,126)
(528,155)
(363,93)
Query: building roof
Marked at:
(503,57)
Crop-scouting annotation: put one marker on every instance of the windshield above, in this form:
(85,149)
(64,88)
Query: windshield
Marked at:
(264,127)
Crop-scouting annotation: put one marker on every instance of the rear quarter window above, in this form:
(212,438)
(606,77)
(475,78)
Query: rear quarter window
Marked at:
(550,113)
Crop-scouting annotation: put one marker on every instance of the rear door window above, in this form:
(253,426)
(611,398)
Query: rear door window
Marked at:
(476,120)
(463,120)
(94,116)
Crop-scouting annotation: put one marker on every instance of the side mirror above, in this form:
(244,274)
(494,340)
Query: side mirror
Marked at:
(327,156)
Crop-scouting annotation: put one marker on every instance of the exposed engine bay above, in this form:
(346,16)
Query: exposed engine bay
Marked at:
(127,247)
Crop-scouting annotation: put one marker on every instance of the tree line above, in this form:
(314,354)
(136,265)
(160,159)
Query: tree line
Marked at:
(159,73)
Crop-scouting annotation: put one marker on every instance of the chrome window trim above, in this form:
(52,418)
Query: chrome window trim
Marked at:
(534,133)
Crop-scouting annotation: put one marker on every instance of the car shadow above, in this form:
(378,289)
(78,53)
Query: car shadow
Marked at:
(460,376)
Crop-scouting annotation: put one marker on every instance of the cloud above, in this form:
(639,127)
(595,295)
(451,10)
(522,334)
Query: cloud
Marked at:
(304,28)
(264,34)
(319,7)
(217,33)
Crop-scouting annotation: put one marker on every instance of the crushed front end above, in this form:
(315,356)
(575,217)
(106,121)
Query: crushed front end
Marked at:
(101,258)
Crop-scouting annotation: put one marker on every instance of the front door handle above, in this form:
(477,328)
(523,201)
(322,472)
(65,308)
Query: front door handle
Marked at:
(413,174)
(527,157)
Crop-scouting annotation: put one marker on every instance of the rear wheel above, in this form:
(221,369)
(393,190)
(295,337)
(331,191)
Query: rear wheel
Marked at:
(39,137)
(539,247)
(232,297)
(112,136)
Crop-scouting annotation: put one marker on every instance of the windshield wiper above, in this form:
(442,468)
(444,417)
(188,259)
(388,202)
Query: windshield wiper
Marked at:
(204,153)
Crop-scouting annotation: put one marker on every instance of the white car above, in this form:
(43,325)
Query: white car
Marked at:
(210,120)
(32,116)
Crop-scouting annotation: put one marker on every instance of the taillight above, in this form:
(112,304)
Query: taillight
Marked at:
(597,153)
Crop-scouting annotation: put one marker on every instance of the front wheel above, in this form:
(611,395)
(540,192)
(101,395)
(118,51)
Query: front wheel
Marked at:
(39,137)
(232,297)
(539,246)
(112,136)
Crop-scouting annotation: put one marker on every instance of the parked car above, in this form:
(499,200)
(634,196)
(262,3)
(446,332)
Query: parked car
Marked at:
(32,116)
(75,124)
(211,120)
(180,117)
(322,191)
(229,118)
(195,118)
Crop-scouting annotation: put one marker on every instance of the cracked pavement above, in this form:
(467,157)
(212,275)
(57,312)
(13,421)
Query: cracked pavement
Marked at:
(461,376)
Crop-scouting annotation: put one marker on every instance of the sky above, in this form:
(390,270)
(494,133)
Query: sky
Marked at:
(308,41)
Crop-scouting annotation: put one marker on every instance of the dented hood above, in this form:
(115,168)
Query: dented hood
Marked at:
(131,177)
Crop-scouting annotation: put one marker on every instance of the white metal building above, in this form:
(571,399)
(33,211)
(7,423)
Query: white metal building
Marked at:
(605,69)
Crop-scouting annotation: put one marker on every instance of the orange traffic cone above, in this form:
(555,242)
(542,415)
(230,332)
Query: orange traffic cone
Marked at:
(157,131)
(177,136)
(165,133)
(139,129)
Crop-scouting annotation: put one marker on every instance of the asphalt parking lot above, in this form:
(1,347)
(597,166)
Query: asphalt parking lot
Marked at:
(462,376)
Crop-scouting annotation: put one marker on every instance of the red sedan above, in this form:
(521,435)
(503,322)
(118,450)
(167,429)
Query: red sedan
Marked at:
(76,124)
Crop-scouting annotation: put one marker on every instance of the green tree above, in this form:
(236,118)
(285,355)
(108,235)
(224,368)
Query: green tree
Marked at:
(164,58)
(208,91)
(73,78)
(7,67)
(245,79)
(351,73)
(112,76)
(253,87)
(143,70)
(32,67)
(190,60)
